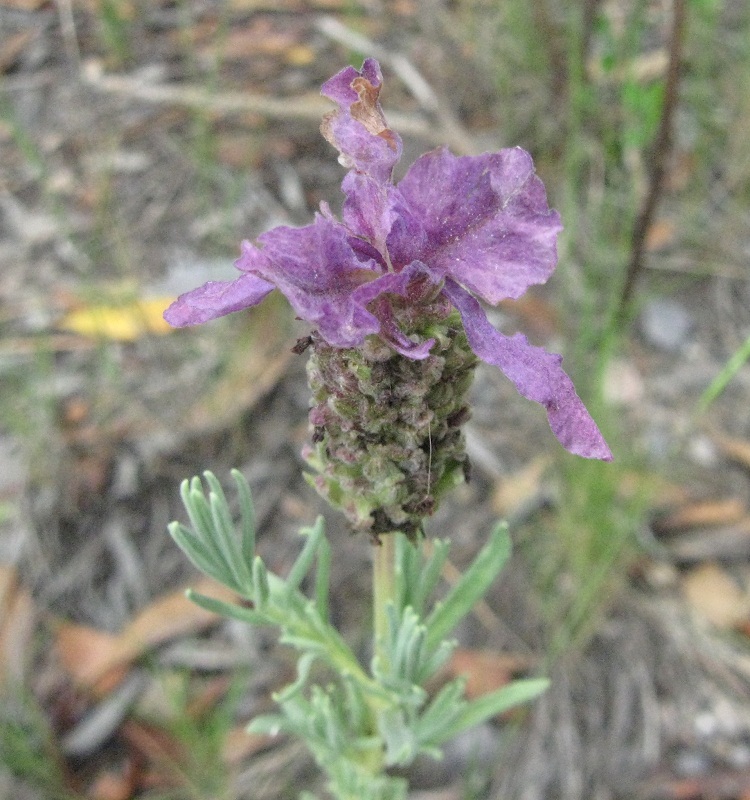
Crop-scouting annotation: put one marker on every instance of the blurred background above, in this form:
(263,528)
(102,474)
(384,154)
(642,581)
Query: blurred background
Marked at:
(140,142)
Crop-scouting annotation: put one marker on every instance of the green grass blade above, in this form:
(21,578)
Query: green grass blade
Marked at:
(721,381)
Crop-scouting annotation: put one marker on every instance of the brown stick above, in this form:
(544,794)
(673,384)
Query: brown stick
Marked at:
(590,10)
(660,153)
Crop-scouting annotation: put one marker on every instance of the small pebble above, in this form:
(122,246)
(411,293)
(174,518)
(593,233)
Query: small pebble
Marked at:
(666,324)
(623,385)
(690,763)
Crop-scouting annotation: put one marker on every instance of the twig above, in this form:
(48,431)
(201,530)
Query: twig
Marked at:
(304,107)
(559,66)
(406,71)
(660,153)
(590,12)
(68,28)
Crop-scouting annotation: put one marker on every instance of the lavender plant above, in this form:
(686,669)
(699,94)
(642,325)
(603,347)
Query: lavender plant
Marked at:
(391,292)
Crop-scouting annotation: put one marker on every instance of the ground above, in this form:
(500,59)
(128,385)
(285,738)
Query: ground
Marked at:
(140,142)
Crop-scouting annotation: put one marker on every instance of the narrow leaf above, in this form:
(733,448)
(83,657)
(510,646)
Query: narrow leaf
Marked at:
(470,588)
(199,554)
(224,536)
(441,711)
(407,560)
(304,561)
(223,524)
(430,574)
(400,744)
(322,578)
(199,514)
(270,724)
(303,672)
(230,610)
(260,583)
(437,658)
(306,644)
(722,380)
(415,654)
(247,517)
(356,708)
(488,706)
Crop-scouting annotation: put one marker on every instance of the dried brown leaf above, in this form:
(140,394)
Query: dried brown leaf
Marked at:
(536,316)
(95,659)
(161,755)
(701,514)
(261,36)
(661,235)
(110,785)
(516,491)
(735,449)
(715,596)
(240,745)
(485,670)
(17,626)
(24,5)
(12,48)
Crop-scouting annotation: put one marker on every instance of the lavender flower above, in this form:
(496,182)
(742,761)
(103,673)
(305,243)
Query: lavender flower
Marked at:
(454,229)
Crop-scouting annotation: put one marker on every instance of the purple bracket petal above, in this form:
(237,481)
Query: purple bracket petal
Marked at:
(369,210)
(399,283)
(484,221)
(394,336)
(215,299)
(537,375)
(319,272)
(358,129)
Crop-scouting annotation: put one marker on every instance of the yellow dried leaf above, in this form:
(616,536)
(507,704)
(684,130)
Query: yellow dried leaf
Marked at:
(300,55)
(122,322)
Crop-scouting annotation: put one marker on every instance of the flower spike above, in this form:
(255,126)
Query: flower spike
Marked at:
(452,231)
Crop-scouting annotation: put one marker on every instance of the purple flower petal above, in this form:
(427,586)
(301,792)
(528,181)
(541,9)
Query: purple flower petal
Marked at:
(319,272)
(391,334)
(414,278)
(537,375)
(482,220)
(358,129)
(369,209)
(396,283)
(215,299)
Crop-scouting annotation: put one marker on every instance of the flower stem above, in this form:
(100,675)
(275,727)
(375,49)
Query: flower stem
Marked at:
(384,586)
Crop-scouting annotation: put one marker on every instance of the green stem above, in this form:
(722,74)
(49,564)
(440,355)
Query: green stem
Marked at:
(384,588)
